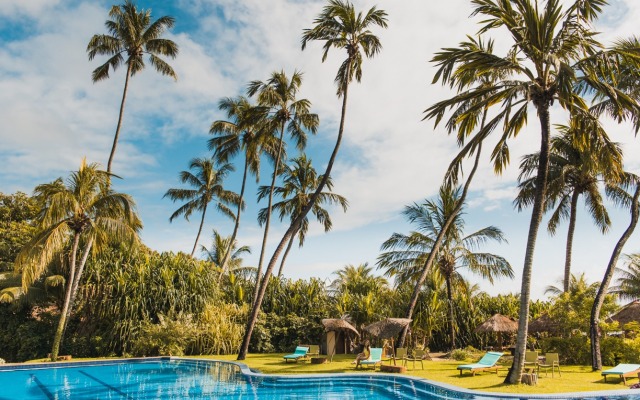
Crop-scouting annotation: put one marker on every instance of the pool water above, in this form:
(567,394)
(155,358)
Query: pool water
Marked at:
(170,378)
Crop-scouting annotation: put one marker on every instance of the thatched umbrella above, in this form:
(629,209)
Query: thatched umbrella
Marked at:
(628,313)
(543,323)
(338,325)
(499,324)
(388,328)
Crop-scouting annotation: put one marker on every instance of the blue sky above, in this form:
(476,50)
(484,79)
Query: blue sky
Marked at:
(53,115)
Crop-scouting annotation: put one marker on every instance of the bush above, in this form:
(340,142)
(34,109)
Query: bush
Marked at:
(172,336)
(461,354)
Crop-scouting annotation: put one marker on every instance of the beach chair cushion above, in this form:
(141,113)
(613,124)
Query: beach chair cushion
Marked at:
(300,352)
(487,362)
(375,357)
(622,370)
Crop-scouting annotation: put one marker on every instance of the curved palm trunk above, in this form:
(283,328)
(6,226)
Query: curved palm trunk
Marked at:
(57,339)
(204,212)
(572,228)
(267,222)
(117,135)
(76,284)
(438,242)
(295,225)
(596,357)
(452,330)
(515,372)
(286,253)
(227,255)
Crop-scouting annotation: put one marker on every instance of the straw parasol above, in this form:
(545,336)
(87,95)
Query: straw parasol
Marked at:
(499,324)
(338,325)
(543,323)
(628,313)
(388,328)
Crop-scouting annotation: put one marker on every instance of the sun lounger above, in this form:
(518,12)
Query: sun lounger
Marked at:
(374,358)
(622,370)
(300,353)
(486,363)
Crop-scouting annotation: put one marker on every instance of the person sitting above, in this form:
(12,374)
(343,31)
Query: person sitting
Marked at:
(366,353)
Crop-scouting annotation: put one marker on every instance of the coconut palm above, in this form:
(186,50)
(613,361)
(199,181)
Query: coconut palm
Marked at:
(575,169)
(554,57)
(628,282)
(300,180)
(337,26)
(207,183)
(621,197)
(405,254)
(85,214)
(279,95)
(132,34)
(217,253)
(240,134)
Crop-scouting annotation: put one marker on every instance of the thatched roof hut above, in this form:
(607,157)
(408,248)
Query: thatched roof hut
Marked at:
(387,328)
(338,325)
(628,313)
(543,323)
(498,323)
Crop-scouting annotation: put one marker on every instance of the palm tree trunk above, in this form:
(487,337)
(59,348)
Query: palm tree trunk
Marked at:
(438,242)
(286,253)
(452,330)
(204,212)
(227,255)
(515,372)
(67,298)
(572,228)
(295,225)
(267,222)
(76,284)
(120,115)
(596,356)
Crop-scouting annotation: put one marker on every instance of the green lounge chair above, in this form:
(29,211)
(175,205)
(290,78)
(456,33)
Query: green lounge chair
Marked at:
(374,358)
(623,370)
(486,363)
(300,353)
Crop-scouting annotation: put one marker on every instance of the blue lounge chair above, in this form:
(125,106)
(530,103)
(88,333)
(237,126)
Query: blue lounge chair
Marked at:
(300,353)
(623,370)
(374,358)
(486,363)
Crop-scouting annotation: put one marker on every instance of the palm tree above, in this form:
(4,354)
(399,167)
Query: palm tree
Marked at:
(406,255)
(278,95)
(628,283)
(622,198)
(85,214)
(208,186)
(554,57)
(131,35)
(575,169)
(217,253)
(240,134)
(300,180)
(338,26)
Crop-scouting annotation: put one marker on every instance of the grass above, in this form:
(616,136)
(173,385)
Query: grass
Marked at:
(574,378)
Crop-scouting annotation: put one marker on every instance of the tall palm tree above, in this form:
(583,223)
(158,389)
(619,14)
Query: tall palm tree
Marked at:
(300,180)
(279,95)
(217,253)
(628,282)
(132,34)
(553,57)
(621,197)
(207,182)
(240,134)
(337,26)
(406,255)
(575,169)
(85,214)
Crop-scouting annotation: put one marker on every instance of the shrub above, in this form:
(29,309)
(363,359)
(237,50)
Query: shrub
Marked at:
(171,336)
(460,354)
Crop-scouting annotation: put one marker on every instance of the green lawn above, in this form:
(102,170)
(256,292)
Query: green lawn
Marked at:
(574,378)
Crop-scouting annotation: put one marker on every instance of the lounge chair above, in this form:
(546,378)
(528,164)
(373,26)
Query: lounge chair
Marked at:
(375,357)
(530,360)
(314,350)
(486,363)
(300,353)
(400,355)
(552,360)
(418,355)
(623,370)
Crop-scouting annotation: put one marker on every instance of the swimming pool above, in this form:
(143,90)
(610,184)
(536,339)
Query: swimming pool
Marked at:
(178,378)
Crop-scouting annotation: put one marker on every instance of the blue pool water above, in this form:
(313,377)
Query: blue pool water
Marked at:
(201,379)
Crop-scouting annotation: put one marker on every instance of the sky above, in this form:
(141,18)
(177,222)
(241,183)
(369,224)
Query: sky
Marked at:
(53,115)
